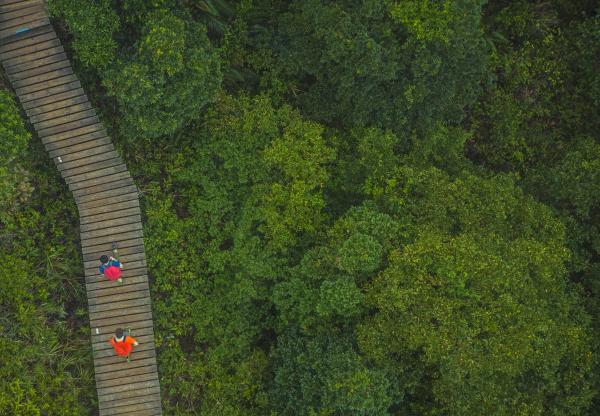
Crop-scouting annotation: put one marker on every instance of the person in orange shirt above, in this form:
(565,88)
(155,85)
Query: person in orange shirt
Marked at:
(123,343)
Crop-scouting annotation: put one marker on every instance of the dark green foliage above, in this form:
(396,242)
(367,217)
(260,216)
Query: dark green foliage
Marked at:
(93,24)
(397,65)
(164,84)
(14,138)
(325,376)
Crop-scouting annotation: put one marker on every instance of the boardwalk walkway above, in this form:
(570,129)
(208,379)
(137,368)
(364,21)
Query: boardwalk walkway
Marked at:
(41,75)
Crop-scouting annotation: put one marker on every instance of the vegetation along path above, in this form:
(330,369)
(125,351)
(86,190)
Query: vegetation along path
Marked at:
(50,93)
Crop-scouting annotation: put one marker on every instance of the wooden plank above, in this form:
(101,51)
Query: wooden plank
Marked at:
(46,41)
(105,349)
(53,63)
(25,20)
(123,321)
(105,332)
(127,303)
(77,147)
(57,105)
(94,276)
(148,412)
(91,167)
(95,251)
(90,245)
(113,167)
(95,281)
(27,92)
(89,194)
(86,161)
(116,206)
(23,10)
(140,328)
(136,256)
(115,230)
(37,35)
(54,117)
(11,33)
(25,3)
(137,246)
(122,395)
(132,219)
(53,99)
(142,351)
(125,192)
(109,385)
(118,297)
(28,66)
(132,267)
(66,122)
(91,119)
(41,78)
(135,409)
(60,124)
(131,400)
(96,182)
(103,384)
(80,150)
(21,50)
(36,99)
(35,28)
(29,59)
(110,371)
(46,96)
(10,2)
(84,133)
(105,389)
(117,289)
(136,218)
(102,347)
(98,317)
(109,353)
(114,209)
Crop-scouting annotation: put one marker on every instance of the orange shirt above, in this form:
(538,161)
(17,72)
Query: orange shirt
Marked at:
(123,348)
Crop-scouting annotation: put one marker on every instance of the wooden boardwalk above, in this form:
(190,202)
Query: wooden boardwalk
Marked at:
(50,93)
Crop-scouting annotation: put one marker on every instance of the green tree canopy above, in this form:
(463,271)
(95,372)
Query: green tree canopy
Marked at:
(477,295)
(168,79)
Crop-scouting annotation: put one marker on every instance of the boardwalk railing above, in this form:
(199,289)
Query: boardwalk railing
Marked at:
(50,93)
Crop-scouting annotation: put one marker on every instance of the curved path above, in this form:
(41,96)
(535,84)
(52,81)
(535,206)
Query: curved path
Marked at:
(49,92)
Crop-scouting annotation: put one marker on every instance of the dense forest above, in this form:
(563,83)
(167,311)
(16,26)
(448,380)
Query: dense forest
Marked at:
(351,207)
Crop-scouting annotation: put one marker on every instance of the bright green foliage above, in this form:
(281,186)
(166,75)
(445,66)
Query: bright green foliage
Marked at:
(281,158)
(293,204)
(93,24)
(166,82)
(572,186)
(478,296)
(360,253)
(325,376)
